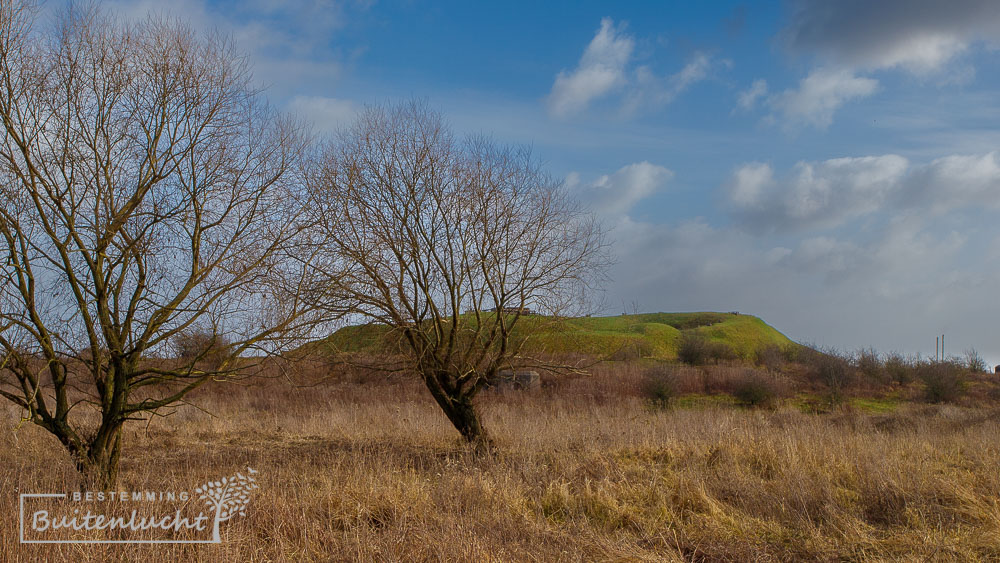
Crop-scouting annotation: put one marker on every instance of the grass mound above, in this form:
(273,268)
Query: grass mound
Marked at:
(656,336)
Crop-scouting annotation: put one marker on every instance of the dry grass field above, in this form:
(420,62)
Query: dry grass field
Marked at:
(585,470)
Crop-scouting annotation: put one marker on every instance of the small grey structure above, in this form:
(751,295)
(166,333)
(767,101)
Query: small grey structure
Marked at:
(511,379)
(512,310)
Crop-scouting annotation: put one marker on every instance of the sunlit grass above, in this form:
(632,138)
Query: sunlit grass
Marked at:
(585,470)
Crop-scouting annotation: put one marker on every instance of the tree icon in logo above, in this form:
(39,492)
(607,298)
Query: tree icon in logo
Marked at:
(227,497)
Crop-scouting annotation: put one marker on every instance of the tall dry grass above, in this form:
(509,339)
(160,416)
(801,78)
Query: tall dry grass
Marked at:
(369,469)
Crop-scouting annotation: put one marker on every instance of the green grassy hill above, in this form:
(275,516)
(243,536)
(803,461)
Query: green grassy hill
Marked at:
(647,335)
(658,335)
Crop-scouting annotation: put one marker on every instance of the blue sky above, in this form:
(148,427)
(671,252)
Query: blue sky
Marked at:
(828,166)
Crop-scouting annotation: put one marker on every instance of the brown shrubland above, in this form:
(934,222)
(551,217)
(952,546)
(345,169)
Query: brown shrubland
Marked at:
(360,466)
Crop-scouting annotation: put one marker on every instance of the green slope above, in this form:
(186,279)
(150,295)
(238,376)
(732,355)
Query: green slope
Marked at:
(658,335)
(647,335)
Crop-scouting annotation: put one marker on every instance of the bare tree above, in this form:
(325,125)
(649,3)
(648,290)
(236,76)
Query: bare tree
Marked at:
(451,244)
(147,193)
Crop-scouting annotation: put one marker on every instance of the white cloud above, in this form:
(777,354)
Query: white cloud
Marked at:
(288,41)
(299,27)
(326,114)
(852,39)
(826,194)
(908,242)
(891,263)
(956,181)
(749,97)
(747,189)
(694,71)
(918,36)
(813,195)
(651,91)
(824,255)
(819,95)
(919,54)
(601,70)
(604,69)
(615,194)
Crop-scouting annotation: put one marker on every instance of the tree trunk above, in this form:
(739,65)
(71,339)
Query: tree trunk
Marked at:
(99,466)
(463,415)
(466,420)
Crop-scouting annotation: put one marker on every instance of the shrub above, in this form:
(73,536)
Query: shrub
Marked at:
(632,349)
(692,349)
(944,382)
(898,368)
(755,390)
(870,366)
(974,362)
(202,346)
(829,369)
(697,350)
(721,379)
(771,357)
(629,350)
(660,387)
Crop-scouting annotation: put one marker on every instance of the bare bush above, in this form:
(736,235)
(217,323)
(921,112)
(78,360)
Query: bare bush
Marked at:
(755,389)
(697,350)
(870,366)
(771,357)
(202,347)
(632,349)
(829,369)
(974,362)
(660,389)
(721,379)
(944,382)
(899,369)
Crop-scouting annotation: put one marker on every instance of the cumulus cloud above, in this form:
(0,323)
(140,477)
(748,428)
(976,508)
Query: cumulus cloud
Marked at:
(956,181)
(853,39)
(819,95)
(694,71)
(613,195)
(891,263)
(606,68)
(919,36)
(813,195)
(601,70)
(749,97)
(826,194)
(651,91)
(696,266)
